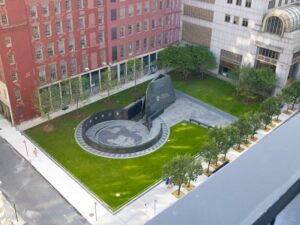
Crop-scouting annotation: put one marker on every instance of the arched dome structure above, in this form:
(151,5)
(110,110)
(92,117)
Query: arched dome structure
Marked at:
(282,20)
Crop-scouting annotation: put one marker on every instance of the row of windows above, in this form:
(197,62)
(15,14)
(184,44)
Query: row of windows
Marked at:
(45,10)
(272,3)
(236,20)
(130,28)
(152,42)
(240,2)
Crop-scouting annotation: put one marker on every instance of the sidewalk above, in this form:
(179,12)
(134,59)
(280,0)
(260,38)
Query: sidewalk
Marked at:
(136,213)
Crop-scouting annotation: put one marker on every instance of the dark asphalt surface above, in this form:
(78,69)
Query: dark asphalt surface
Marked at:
(37,202)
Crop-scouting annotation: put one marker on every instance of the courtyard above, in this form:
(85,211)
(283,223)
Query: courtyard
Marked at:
(116,182)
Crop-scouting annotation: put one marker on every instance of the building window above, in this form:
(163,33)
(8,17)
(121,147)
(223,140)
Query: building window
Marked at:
(147,6)
(42,75)
(68,5)
(83,41)
(153,42)
(145,44)
(36,31)
(113,33)
(130,29)
(11,59)
(80,4)
(2,2)
(50,50)
(139,9)
(238,2)
(160,22)
(236,20)
(38,52)
(139,27)
(161,4)
(122,13)
(101,37)
(114,53)
(14,76)
(245,22)
(248,3)
(85,64)
(71,44)
(122,51)
(81,22)
(268,53)
(168,21)
(73,66)
(4,20)
(166,38)
(138,46)
(154,5)
(229,1)
(274,25)
(8,43)
(45,9)
(59,28)
(227,18)
(159,39)
(100,18)
(63,69)
(113,14)
(48,31)
(100,2)
(61,46)
(52,70)
(130,48)
(146,25)
(57,6)
(130,10)
(168,4)
(272,3)
(17,95)
(69,24)
(33,12)
(153,24)
(122,32)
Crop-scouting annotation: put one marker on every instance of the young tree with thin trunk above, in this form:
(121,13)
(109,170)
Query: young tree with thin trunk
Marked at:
(231,134)
(255,124)
(244,130)
(194,169)
(177,170)
(217,135)
(209,152)
(76,91)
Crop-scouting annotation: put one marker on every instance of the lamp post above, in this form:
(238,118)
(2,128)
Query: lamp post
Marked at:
(96,212)
(108,77)
(154,206)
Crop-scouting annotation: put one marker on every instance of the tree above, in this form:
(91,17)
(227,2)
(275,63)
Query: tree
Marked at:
(107,83)
(271,107)
(231,134)
(244,129)
(203,58)
(255,124)
(266,119)
(208,153)
(279,104)
(217,136)
(194,169)
(177,170)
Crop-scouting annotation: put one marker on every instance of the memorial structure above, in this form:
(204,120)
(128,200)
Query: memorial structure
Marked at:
(132,131)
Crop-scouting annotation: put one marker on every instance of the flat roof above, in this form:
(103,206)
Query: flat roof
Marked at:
(244,189)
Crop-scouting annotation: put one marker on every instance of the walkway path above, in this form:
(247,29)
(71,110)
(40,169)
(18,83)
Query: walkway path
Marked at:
(36,200)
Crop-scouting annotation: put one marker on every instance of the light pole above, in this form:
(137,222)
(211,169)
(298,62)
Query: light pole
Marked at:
(26,148)
(154,206)
(96,212)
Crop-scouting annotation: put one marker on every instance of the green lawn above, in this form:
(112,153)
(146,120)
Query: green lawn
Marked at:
(106,177)
(215,92)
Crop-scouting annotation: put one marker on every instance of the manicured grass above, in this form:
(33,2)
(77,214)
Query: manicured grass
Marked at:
(215,92)
(106,177)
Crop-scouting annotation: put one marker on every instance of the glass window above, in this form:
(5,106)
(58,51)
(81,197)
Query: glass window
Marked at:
(33,11)
(85,64)
(227,18)
(68,5)
(45,9)
(122,31)
(130,29)
(73,66)
(122,12)
(42,74)
(248,3)
(59,28)
(100,2)
(100,18)
(146,25)
(130,10)
(154,6)
(139,9)
(82,22)
(50,50)
(14,76)
(138,46)
(38,52)
(113,33)
(71,44)
(69,24)
(80,4)
(238,2)
(83,41)
(274,25)
(8,43)
(245,22)
(139,27)
(122,51)
(48,31)
(52,70)
(113,14)
(236,20)
(61,46)
(17,95)
(4,20)
(114,53)
(57,6)
(147,6)
(63,69)
(36,31)
(130,48)
(145,44)
(101,37)
(153,42)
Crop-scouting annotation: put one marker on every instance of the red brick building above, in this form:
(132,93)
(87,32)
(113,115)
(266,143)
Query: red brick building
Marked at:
(45,43)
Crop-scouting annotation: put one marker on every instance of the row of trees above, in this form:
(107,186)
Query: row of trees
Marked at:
(250,81)
(187,59)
